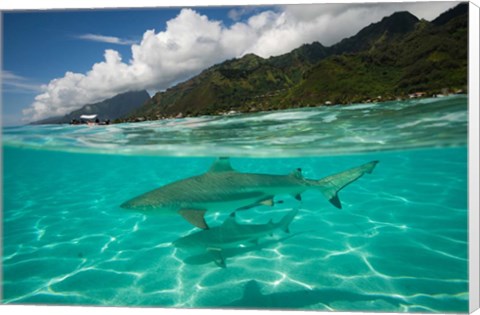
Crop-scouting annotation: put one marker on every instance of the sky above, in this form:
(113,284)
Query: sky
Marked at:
(56,61)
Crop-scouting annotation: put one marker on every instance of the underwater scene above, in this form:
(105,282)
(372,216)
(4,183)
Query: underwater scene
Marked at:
(335,208)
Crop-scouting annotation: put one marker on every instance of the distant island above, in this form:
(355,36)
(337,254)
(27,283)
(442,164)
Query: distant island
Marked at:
(398,57)
(117,107)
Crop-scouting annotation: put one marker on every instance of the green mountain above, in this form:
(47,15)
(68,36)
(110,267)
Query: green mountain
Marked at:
(427,59)
(232,84)
(398,55)
(446,16)
(113,108)
(387,30)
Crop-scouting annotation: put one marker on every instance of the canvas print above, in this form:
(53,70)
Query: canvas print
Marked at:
(296,157)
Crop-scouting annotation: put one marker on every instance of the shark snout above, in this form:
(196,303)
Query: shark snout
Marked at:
(139,205)
(181,243)
(126,205)
(133,204)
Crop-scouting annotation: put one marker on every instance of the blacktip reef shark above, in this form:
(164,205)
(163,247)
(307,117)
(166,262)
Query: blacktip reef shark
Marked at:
(230,235)
(224,189)
(206,257)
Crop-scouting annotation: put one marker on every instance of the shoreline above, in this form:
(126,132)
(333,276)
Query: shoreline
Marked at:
(253,109)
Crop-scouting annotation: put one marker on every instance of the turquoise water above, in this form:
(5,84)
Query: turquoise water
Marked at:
(399,243)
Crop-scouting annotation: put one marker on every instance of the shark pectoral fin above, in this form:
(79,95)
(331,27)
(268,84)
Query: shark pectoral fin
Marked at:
(217,257)
(195,217)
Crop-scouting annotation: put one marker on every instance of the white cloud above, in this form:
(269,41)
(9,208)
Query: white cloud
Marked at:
(192,42)
(106,39)
(334,22)
(238,13)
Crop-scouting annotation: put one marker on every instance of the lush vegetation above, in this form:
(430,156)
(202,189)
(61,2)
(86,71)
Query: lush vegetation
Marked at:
(392,58)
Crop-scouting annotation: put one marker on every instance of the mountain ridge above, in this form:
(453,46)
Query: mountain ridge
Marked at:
(398,55)
(116,107)
(429,60)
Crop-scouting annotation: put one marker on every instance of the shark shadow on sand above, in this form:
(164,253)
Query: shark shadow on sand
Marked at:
(254,298)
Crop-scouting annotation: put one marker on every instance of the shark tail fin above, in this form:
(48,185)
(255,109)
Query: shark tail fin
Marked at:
(331,185)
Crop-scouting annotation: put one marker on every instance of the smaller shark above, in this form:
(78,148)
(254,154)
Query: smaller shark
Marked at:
(207,257)
(230,235)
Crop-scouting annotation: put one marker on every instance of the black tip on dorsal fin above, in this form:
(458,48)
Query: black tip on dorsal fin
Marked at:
(222,164)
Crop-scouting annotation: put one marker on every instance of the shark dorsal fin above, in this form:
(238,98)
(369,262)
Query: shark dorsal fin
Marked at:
(297,173)
(230,220)
(222,164)
(298,197)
